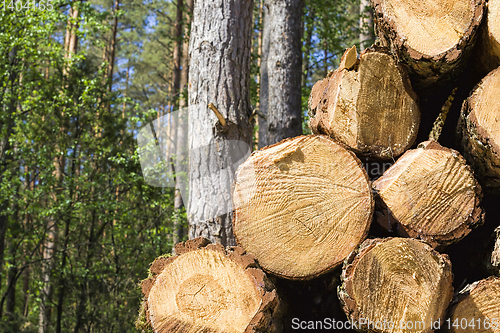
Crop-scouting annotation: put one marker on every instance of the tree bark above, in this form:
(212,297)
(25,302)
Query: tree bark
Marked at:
(219,75)
(280,98)
(367,104)
(201,299)
(395,280)
(302,193)
(434,40)
(430,193)
(480,131)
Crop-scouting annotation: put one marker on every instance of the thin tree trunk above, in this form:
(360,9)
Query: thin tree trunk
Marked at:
(219,136)
(283,64)
(112,47)
(259,64)
(182,127)
(264,78)
(307,47)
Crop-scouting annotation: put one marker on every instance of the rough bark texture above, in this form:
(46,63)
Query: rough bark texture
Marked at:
(301,206)
(433,39)
(367,104)
(430,193)
(219,73)
(395,280)
(476,308)
(280,99)
(494,260)
(169,305)
(480,131)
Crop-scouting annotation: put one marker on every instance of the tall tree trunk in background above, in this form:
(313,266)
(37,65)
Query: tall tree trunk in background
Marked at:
(5,146)
(264,78)
(366,35)
(182,122)
(50,246)
(283,66)
(255,145)
(112,48)
(308,31)
(219,75)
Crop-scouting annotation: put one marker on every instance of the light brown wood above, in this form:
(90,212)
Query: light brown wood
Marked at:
(430,193)
(395,280)
(433,37)
(477,309)
(206,288)
(301,206)
(367,104)
(489,42)
(480,129)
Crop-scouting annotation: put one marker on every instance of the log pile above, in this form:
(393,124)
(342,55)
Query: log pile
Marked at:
(324,244)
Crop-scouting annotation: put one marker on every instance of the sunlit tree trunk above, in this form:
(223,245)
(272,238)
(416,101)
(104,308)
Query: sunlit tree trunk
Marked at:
(366,36)
(219,75)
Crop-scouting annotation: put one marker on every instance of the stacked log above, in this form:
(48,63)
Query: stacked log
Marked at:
(434,39)
(305,206)
(479,128)
(195,291)
(359,103)
(396,285)
(430,193)
(476,308)
(301,206)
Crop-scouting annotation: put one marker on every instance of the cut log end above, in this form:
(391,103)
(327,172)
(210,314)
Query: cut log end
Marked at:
(433,38)
(431,194)
(195,291)
(395,280)
(480,129)
(301,206)
(367,104)
(477,308)
(489,42)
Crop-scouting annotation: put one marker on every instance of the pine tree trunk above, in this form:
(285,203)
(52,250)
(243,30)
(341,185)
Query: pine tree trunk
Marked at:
(395,280)
(430,193)
(219,75)
(366,37)
(480,131)
(281,72)
(367,104)
(433,39)
(302,193)
(195,292)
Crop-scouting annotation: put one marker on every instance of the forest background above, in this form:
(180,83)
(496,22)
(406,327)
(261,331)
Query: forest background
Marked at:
(78,223)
